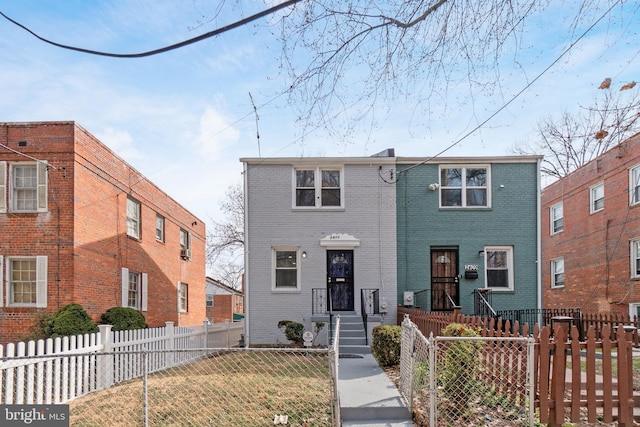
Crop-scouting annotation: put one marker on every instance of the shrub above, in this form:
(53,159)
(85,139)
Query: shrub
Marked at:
(459,366)
(386,344)
(292,330)
(71,319)
(123,318)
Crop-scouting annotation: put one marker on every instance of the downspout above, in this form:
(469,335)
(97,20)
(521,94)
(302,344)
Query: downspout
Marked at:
(247,279)
(539,243)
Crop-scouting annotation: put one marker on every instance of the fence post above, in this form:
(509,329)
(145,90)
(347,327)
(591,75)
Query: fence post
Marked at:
(169,334)
(104,366)
(433,391)
(205,328)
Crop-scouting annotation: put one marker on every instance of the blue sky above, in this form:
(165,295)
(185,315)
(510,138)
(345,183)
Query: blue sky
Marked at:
(184,118)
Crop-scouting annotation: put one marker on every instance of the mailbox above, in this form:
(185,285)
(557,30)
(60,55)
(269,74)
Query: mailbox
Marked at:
(471,271)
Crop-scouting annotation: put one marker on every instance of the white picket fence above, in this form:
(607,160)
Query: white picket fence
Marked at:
(58,370)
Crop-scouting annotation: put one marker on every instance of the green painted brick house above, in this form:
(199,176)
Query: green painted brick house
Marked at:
(468,229)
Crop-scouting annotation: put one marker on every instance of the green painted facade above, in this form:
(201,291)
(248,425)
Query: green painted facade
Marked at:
(511,221)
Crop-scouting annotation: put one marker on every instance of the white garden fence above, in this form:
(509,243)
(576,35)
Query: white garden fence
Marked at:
(59,370)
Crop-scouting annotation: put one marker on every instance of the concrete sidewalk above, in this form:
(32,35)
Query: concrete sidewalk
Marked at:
(367,395)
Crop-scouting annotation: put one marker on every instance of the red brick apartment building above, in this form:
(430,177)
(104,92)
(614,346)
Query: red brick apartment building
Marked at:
(591,234)
(80,225)
(224,303)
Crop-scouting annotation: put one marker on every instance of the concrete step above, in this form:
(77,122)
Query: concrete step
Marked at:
(354,349)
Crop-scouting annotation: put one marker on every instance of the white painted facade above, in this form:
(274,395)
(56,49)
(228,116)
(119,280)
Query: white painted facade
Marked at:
(364,222)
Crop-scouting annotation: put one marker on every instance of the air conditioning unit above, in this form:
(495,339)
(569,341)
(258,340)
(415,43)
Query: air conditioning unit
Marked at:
(408,298)
(185,253)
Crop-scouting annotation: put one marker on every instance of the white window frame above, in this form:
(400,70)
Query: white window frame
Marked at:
(159,228)
(634,185)
(509,268)
(553,218)
(185,244)
(209,301)
(274,268)
(318,187)
(142,292)
(40,281)
(557,269)
(183,297)
(134,220)
(8,187)
(463,186)
(635,258)
(594,198)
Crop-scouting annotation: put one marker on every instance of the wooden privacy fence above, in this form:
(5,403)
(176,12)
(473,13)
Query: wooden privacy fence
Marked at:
(58,370)
(566,384)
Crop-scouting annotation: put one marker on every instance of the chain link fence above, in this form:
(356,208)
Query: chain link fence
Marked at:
(456,381)
(221,387)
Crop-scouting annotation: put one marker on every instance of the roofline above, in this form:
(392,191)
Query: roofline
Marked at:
(387,160)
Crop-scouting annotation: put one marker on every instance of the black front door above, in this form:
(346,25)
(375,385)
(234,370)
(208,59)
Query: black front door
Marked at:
(340,279)
(444,279)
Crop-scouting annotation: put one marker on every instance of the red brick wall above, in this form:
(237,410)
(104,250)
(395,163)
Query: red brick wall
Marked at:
(87,244)
(223,308)
(595,247)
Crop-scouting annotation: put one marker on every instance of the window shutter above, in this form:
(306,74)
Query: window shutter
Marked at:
(41,281)
(143,296)
(125,287)
(1,281)
(178,297)
(42,186)
(3,186)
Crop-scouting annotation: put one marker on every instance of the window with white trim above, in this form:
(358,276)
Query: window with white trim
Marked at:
(596,197)
(134,289)
(464,186)
(26,281)
(635,258)
(133,218)
(23,187)
(183,293)
(498,261)
(209,300)
(634,185)
(159,228)
(318,187)
(185,244)
(557,273)
(286,272)
(556,215)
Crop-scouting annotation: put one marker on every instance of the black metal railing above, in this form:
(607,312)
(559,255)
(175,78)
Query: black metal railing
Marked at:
(451,304)
(369,304)
(482,304)
(421,299)
(319,301)
(542,316)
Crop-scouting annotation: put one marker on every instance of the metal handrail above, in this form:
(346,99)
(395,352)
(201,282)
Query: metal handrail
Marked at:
(451,301)
(486,304)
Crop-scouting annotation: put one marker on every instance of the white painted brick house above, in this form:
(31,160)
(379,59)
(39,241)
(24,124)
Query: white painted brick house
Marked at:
(318,229)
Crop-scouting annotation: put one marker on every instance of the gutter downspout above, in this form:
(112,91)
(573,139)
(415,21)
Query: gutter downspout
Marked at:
(539,243)
(247,279)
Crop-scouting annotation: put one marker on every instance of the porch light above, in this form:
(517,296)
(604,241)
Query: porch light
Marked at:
(304,254)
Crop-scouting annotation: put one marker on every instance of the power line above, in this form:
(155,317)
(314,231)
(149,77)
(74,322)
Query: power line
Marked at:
(163,49)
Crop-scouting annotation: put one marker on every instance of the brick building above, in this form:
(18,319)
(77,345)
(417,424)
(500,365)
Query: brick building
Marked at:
(80,225)
(224,303)
(591,234)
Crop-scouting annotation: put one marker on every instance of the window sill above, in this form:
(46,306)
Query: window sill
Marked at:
(320,209)
(285,291)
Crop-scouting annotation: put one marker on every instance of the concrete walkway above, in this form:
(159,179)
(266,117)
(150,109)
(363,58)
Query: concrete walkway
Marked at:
(367,396)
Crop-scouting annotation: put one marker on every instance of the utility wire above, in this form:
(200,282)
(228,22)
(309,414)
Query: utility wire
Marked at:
(163,49)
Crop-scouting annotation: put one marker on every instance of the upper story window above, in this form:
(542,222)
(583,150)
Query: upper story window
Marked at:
(25,184)
(557,273)
(556,218)
(318,187)
(26,281)
(185,244)
(159,228)
(464,186)
(286,274)
(596,197)
(499,268)
(634,184)
(134,289)
(133,218)
(635,258)
(209,300)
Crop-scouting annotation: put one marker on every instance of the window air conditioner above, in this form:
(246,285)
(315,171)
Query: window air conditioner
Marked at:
(185,253)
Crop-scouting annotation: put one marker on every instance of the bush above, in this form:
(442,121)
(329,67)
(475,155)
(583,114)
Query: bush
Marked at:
(70,320)
(386,344)
(292,330)
(123,319)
